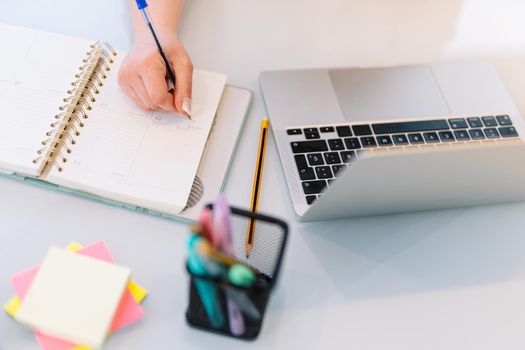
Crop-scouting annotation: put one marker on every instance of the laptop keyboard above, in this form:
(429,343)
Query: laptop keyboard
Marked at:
(322,152)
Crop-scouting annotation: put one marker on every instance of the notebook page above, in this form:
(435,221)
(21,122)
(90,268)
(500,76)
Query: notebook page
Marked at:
(143,158)
(36,69)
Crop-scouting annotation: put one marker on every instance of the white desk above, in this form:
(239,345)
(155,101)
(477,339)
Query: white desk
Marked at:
(445,280)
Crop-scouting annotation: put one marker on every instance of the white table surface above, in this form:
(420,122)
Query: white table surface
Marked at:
(442,280)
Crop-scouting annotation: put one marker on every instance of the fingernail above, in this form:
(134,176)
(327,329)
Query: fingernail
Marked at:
(186,106)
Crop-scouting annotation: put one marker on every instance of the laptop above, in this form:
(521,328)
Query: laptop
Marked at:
(361,142)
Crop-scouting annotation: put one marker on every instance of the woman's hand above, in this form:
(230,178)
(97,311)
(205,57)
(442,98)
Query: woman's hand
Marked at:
(143,73)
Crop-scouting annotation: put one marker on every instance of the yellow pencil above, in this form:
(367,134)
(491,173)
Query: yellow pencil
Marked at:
(250,234)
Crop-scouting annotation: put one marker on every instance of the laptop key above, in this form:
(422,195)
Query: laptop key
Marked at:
(416,139)
(310,199)
(332,158)
(325,129)
(477,134)
(368,141)
(475,122)
(400,140)
(305,172)
(343,131)
(492,133)
(403,127)
(294,131)
(352,143)
(315,159)
(314,187)
(508,131)
(431,137)
(462,135)
(309,146)
(362,130)
(384,141)
(323,172)
(336,169)
(504,120)
(446,136)
(458,123)
(348,156)
(336,144)
(489,121)
(312,135)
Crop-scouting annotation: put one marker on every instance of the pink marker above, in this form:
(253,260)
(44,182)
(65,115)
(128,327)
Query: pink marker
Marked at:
(205,220)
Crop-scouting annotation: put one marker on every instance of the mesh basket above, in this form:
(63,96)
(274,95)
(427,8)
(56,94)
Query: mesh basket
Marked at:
(266,256)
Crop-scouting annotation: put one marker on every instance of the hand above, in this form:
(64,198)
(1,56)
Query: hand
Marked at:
(143,73)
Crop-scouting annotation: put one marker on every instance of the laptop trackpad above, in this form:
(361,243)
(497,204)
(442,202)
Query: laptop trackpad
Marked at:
(388,93)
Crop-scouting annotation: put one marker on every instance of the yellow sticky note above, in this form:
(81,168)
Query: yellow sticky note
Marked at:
(64,298)
(74,247)
(138,292)
(12,306)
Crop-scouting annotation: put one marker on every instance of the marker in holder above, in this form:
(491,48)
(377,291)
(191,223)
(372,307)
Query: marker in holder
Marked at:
(265,258)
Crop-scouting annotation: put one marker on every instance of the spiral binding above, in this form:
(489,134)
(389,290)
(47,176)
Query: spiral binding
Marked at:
(73,114)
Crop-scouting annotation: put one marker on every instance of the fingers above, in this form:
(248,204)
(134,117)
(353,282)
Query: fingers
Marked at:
(133,87)
(148,92)
(130,92)
(157,89)
(184,75)
(138,86)
(142,76)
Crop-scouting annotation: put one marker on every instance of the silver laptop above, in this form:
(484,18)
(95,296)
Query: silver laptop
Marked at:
(359,142)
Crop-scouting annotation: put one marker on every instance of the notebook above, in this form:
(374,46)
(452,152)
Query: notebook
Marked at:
(66,124)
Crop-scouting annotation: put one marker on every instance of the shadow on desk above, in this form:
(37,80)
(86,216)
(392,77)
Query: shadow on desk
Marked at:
(421,252)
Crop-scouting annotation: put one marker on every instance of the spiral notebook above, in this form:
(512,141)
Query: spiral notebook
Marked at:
(66,124)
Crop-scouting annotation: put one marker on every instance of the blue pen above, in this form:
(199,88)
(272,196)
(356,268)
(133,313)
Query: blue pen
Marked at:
(143,8)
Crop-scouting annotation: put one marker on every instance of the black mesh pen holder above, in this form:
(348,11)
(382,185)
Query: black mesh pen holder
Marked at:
(266,257)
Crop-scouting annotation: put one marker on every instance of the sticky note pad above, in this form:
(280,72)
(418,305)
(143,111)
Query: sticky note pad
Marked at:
(74,297)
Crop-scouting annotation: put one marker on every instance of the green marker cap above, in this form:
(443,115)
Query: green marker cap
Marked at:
(241,275)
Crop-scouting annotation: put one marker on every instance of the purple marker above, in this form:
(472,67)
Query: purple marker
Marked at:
(222,233)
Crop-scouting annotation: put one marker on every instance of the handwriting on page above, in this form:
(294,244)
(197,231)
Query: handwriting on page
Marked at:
(36,69)
(109,142)
(25,115)
(141,156)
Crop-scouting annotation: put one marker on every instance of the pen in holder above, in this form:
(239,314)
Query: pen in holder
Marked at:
(265,260)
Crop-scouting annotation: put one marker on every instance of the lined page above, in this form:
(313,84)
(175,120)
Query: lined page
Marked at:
(36,69)
(144,158)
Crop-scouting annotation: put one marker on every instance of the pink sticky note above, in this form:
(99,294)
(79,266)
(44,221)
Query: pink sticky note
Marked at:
(23,280)
(50,343)
(128,312)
